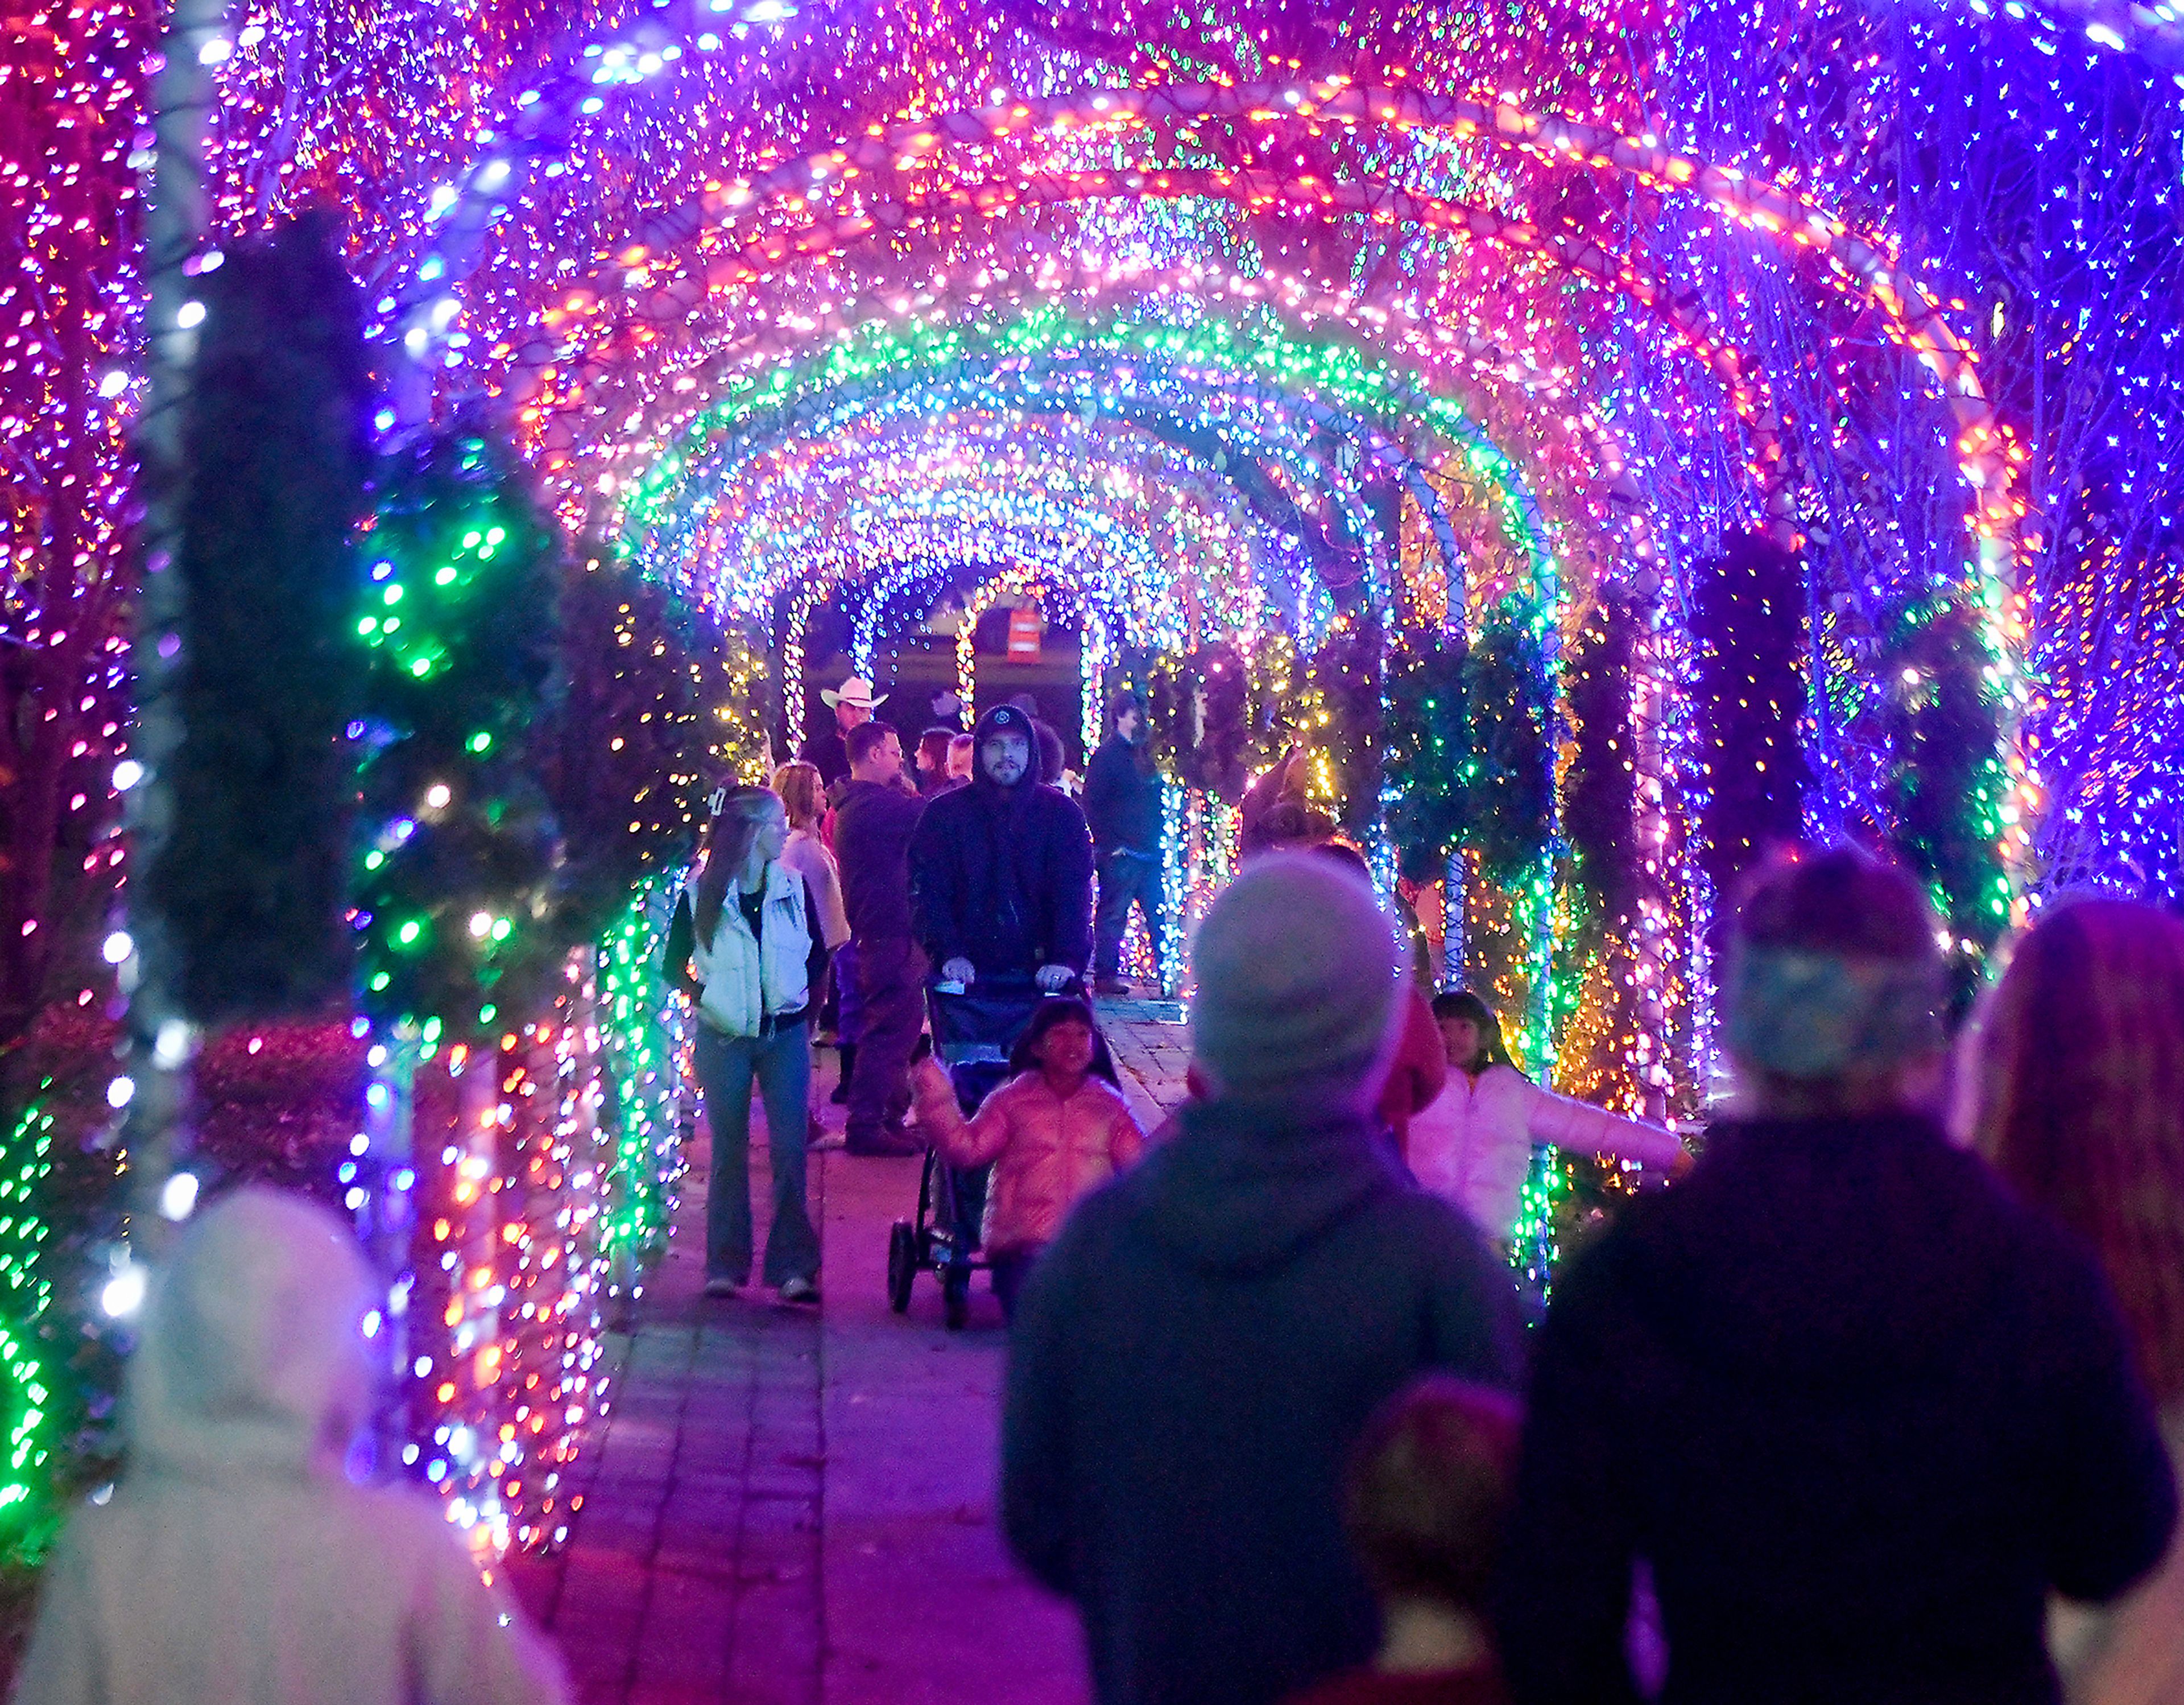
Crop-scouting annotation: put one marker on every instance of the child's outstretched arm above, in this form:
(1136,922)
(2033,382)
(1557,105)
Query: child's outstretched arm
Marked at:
(963,1143)
(1578,1125)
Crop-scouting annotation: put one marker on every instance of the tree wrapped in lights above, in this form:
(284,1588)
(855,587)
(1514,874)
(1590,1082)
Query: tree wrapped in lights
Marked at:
(1600,801)
(1200,714)
(456,882)
(28,1474)
(1940,718)
(1504,798)
(628,743)
(1600,794)
(730,673)
(68,331)
(1427,738)
(2026,164)
(1346,674)
(1283,704)
(645,1035)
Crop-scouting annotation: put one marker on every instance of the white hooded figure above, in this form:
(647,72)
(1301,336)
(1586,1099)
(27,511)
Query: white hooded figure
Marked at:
(235,1561)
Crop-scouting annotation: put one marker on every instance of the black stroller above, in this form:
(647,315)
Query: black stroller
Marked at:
(973,1030)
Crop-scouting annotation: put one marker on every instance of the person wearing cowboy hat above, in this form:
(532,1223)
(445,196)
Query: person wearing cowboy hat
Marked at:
(854,703)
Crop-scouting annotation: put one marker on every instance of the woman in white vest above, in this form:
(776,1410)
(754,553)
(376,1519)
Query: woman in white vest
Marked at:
(746,947)
(1472,1145)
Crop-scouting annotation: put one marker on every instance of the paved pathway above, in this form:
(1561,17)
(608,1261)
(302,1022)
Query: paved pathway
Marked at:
(790,1506)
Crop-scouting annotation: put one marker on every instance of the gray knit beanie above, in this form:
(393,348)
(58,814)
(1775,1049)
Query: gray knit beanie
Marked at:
(1297,981)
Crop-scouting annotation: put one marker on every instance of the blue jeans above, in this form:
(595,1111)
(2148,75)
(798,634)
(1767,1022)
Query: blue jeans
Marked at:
(1126,878)
(781,1065)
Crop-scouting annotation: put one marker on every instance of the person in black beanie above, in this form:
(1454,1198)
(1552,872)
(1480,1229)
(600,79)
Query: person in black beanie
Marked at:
(1002,870)
(1198,1352)
(1857,1409)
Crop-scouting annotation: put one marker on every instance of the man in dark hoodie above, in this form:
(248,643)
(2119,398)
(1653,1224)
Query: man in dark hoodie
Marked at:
(1199,1349)
(1858,1409)
(1002,870)
(1123,804)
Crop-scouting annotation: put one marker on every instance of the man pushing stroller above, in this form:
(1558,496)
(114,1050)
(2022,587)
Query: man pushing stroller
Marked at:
(1001,875)
(1000,871)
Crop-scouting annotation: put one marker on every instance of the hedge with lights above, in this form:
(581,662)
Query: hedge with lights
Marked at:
(58,1203)
(248,880)
(627,746)
(644,1034)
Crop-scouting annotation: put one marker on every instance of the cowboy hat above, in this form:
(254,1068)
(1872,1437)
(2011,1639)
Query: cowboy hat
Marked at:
(856,693)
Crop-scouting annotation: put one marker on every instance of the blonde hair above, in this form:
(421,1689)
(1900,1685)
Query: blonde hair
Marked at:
(727,845)
(2080,1103)
(803,793)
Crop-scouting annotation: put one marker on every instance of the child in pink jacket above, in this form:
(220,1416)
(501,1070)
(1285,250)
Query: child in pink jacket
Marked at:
(1056,1130)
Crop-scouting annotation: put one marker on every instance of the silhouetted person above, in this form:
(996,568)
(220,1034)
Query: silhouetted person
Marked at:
(1198,1351)
(1856,1409)
(932,760)
(1430,1492)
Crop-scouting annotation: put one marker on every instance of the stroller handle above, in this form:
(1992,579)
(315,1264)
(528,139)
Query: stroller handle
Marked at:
(1024,983)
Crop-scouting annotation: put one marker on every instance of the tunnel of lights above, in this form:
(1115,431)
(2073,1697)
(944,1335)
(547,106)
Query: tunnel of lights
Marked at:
(1283,357)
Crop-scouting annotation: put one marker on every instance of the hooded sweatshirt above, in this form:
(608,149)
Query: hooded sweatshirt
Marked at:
(1002,876)
(234,1562)
(1858,1409)
(1194,1358)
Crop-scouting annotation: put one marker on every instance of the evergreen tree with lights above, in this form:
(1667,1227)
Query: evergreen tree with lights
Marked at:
(456,881)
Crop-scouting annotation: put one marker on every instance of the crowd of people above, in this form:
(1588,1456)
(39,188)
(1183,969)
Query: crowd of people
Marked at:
(1881,1400)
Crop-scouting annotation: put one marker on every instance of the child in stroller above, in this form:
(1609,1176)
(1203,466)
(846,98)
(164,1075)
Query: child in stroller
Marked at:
(1057,1128)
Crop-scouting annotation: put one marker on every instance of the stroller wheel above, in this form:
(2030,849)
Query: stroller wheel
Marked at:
(955,1296)
(902,1265)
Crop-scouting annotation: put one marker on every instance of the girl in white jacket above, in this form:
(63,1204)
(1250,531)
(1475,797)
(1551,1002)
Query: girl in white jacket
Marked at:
(234,1562)
(747,946)
(1472,1145)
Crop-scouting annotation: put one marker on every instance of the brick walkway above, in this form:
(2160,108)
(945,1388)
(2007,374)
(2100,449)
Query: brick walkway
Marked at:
(790,1506)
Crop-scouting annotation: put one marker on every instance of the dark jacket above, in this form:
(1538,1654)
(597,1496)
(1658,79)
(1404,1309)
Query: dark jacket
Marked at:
(1121,800)
(828,753)
(1002,876)
(1194,1357)
(872,827)
(1858,1409)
